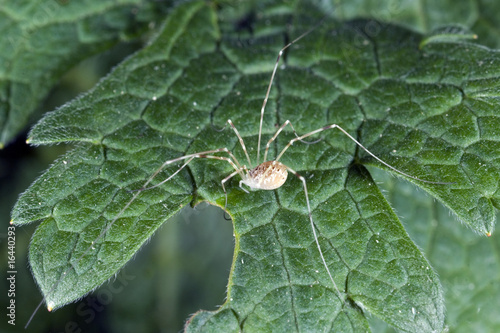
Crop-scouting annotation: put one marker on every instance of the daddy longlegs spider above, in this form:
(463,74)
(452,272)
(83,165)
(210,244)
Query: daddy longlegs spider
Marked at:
(268,175)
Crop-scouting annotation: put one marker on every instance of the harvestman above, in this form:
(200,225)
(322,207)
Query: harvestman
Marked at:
(268,175)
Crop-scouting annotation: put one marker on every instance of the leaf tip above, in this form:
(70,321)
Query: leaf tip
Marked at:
(50,307)
(11,222)
(28,141)
(488,234)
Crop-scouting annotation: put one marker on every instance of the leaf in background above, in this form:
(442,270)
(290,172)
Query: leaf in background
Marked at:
(413,14)
(42,40)
(487,25)
(478,15)
(429,112)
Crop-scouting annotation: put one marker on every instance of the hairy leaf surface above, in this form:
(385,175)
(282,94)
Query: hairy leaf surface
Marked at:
(425,106)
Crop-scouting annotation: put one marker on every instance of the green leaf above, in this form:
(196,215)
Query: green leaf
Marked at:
(422,17)
(466,263)
(42,40)
(428,111)
(480,16)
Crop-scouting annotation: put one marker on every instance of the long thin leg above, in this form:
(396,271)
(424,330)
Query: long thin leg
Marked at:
(313,227)
(241,142)
(280,53)
(360,145)
(234,173)
(279,131)
(189,158)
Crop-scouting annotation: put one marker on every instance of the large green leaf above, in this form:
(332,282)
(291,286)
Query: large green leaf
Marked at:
(425,105)
(41,40)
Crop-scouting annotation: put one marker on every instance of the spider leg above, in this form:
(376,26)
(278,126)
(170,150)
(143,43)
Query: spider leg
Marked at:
(234,173)
(231,160)
(280,53)
(313,227)
(333,126)
(241,141)
(279,131)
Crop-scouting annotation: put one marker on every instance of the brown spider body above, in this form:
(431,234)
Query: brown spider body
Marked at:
(269,175)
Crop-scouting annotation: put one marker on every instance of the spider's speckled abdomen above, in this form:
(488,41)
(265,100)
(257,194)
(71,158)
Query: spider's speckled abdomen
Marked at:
(269,175)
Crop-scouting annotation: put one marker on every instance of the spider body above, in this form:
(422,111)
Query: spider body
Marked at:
(268,175)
